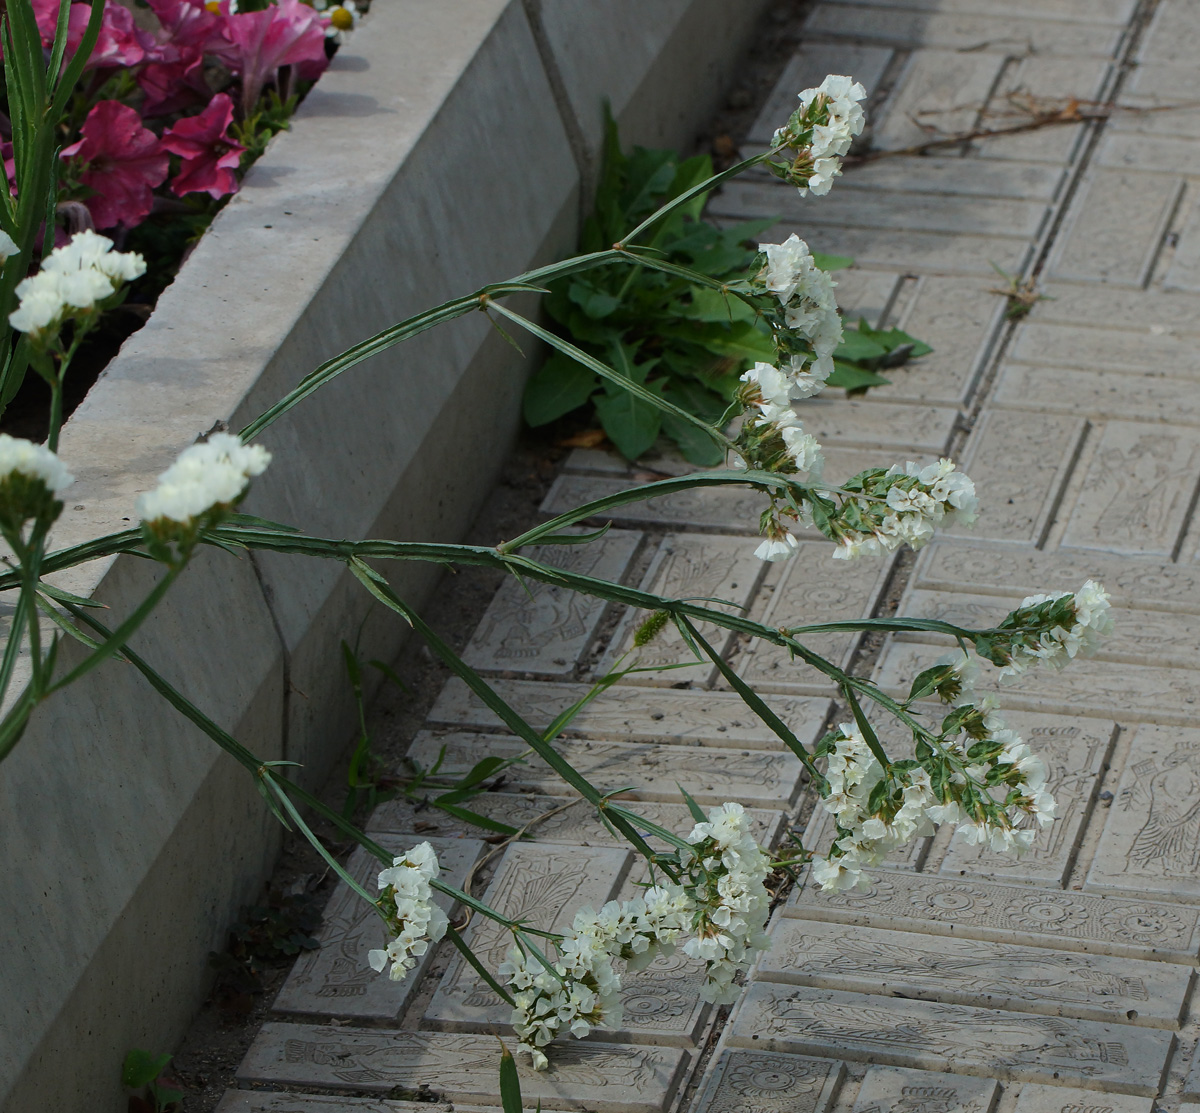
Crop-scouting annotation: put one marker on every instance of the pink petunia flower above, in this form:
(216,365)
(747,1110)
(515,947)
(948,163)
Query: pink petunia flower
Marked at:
(121,162)
(173,77)
(121,43)
(284,34)
(210,156)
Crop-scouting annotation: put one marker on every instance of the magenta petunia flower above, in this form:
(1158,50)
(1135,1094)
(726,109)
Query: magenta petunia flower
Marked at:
(121,43)
(283,34)
(210,156)
(121,162)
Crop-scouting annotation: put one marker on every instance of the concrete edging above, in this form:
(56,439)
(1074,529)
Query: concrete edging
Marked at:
(130,840)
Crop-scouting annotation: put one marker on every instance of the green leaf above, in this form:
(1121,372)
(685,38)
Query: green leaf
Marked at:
(714,305)
(849,377)
(697,447)
(141,1068)
(595,303)
(630,423)
(559,386)
(832,262)
(857,345)
(510,1084)
(697,811)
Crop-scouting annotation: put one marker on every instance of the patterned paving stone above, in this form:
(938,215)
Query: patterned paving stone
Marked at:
(879,424)
(1191,1085)
(543,628)
(1151,839)
(1117,231)
(1138,492)
(932,175)
(866,294)
(461,1067)
(707,569)
(741,1081)
(546,885)
(985,910)
(1099,394)
(1146,584)
(975,972)
(578,824)
(1087,347)
(932,29)
(896,1090)
(250,1101)
(1088,11)
(1059,1099)
(633,714)
(985,1042)
(336,979)
(1019,502)
(651,771)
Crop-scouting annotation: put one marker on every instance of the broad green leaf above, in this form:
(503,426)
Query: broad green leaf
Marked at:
(597,304)
(832,262)
(849,377)
(697,447)
(510,1083)
(559,386)
(713,305)
(630,423)
(141,1068)
(857,345)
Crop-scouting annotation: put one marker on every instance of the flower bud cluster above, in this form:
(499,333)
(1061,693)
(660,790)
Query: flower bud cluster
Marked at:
(1050,629)
(820,131)
(30,478)
(413,920)
(210,476)
(976,774)
(73,281)
(900,505)
(716,912)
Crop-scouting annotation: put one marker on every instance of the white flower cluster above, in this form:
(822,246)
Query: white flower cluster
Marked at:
(908,504)
(993,790)
(810,312)
(213,473)
(719,911)
(727,874)
(412,918)
(825,124)
(72,279)
(35,461)
(1088,620)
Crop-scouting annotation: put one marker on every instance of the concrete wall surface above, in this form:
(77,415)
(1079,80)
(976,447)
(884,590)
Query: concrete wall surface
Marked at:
(448,146)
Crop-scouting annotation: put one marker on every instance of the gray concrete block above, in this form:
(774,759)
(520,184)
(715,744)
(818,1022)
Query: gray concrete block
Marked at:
(770,1083)
(931,1036)
(1060,1099)
(970,909)
(896,1090)
(995,975)
(460,1067)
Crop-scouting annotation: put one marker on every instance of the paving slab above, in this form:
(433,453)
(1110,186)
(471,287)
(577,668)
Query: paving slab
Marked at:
(1087,346)
(1173,34)
(633,714)
(1117,232)
(716,571)
(259,1101)
(1184,271)
(876,423)
(766,1082)
(1191,1085)
(866,294)
(461,1067)
(336,979)
(793,596)
(915,965)
(896,1090)
(899,27)
(1092,688)
(984,1042)
(1065,1099)
(573,821)
(1152,396)
(1138,492)
(545,885)
(1074,921)
(1018,502)
(544,628)
(939,93)
(647,770)
(1146,584)
(1151,837)
(1088,11)
(933,175)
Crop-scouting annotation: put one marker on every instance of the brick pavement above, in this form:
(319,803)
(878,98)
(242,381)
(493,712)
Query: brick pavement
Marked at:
(962,981)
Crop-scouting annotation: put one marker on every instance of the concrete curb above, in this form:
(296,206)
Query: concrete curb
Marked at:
(456,160)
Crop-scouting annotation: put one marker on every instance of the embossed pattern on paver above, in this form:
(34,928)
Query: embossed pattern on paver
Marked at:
(1049,984)
(897,1090)
(984,1042)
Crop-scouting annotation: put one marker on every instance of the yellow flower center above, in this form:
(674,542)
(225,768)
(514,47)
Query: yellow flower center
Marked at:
(213,6)
(342,19)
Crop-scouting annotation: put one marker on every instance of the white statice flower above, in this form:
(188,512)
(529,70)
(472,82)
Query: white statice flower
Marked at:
(34,461)
(207,475)
(822,130)
(1059,644)
(72,280)
(782,547)
(413,920)
(8,246)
